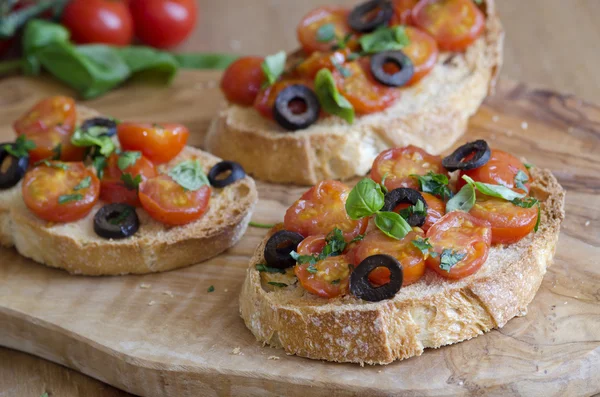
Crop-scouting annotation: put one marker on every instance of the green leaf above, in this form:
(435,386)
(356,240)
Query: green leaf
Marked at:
(357,239)
(261,225)
(525,203)
(528,166)
(425,246)
(326,33)
(280,285)
(464,200)
(312,269)
(128,159)
(520,180)
(131,183)
(211,288)
(365,199)
(273,66)
(449,258)
(149,63)
(345,72)
(99,163)
(304,259)
(330,98)
(37,35)
(205,61)
(67,198)
(353,56)
(83,138)
(48,163)
(384,39)
(436,184)
(261,267)
(494,190)
(20,148)
(189,175)
(417,209)
(392,224)
(336,244)
(84,184)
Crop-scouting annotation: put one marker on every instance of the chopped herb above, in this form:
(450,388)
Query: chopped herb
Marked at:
(326,33)
(336,281)
(384,39)
(189,175)
(211,288)
(20,148)
(382,183)
(127,159)
(357,238)
(273,66)
(520,180)
(261,225)
(99,163)
(343,41)
(122,216)
(336,244)
(84,184)
(261,267)
(131,183)
(57,150)
(280,285)
(525,203)
(345,72)
(311,269)
(48,163)
(417,209)
(528,166)
(425,246)
(353,56)
(67,198)
(449,258)
(436,184)
(88,138)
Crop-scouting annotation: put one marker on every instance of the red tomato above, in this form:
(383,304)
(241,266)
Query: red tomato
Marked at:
(462,234)
(510,223)
(242,80)
(163,23)
(321,60)
(362,90)
(321,209)
(422,51)
(435,210)
(169,203)
(54,113)
(332,273)
(455,24)
(113,189)
(310,24)
(49,191)
(501,169)
(402,12)
(99,21)
(266,97)
(159,142)
(409,256)
(49,143)
(398,164)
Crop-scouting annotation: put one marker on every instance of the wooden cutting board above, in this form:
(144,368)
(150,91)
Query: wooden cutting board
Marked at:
(166,335)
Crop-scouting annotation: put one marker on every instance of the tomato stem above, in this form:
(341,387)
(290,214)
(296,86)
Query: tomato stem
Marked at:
(261,225)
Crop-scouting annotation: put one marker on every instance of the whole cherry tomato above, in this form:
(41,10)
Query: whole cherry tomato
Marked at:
(163,23)
(242,80)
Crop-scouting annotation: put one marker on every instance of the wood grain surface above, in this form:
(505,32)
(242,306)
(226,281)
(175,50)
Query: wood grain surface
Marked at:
(164,334)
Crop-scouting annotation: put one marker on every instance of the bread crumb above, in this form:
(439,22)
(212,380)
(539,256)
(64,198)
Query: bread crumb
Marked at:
(237,351)
(524,125)
(168,293)
(145,286)
(151,303)
(495,119)
(273,358)
(225,290)
(587,223)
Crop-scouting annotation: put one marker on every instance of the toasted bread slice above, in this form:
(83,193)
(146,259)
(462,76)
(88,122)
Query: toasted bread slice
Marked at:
(155,247)
(428,314)
(432,115)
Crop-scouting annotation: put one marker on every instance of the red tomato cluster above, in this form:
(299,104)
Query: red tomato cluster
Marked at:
(158,23)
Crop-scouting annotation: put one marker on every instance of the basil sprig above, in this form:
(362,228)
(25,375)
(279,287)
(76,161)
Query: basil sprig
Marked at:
(20,148)
(189,175)
(498,191)
(273,66)
(384,39)
(330,98)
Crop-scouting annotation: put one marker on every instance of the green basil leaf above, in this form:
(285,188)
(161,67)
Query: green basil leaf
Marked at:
(425,246)
(204,61)
(384,39)
(365,199)
(525,203)
(418,209)
(99,163)
(21,147)
(326,33)
(273,66)
(303,259)
(128,159)
(528,166)
(85,139)
(436,184)
(330,98)
(67,198)
(494,190)
(261,267)
(449,258)
(392,224)
(464,200)
(520,180)
(148,63)
(131,183)
(189,175)
(84,184)
(38,34)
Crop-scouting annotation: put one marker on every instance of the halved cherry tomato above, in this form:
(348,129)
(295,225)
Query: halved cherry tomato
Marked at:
(435,210)
(159,142)
(422,51)
(321,209)
(402,12)
(409,256)
(362,90)
(321,60)
(49,144)
(510,223)
(455,24)
(331,276)
(501,169)
(266,97)
(113,189)
(398,164)
(242,80)
(309,26)
(169,203)
(51,114)
(459,233)
(49,191)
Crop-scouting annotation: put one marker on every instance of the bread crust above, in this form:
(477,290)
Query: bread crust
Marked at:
(155,247)
(432,115)
(429,314)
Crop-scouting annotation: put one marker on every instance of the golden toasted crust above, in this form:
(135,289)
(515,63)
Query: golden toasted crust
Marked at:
(432,115)
(155,247)
(431,313)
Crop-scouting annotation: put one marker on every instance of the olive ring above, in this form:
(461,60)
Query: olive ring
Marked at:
(406,195)
(286,117)
(236,172)
(12,174)
(361,287)
(358,17)
(481,155)
(398,58)
(278,249)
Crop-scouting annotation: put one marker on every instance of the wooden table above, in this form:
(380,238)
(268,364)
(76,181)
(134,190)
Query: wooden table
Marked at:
(538,50)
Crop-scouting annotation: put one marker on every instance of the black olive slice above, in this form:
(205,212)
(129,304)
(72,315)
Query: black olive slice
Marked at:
(116,221)
(398,58)
(481,155)
(236,172)
(12,168)
(278,248)
(406,195)
(286,114)
(108,126)
(361,287)
(362,20)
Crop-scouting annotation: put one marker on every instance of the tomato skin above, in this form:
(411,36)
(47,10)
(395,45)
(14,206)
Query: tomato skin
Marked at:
(160,143)
(501,169)
(400,163)
(402,12)
(113,189)
(330,269)
(410,257)
(51,114)
(455,24)
(99,21)
(167,202)
(163,23)
(321,209)
(510,223)
(462,233)
(422,51)
(43,185)
(242,80)
(265,99)
(310,23)
(436,208)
